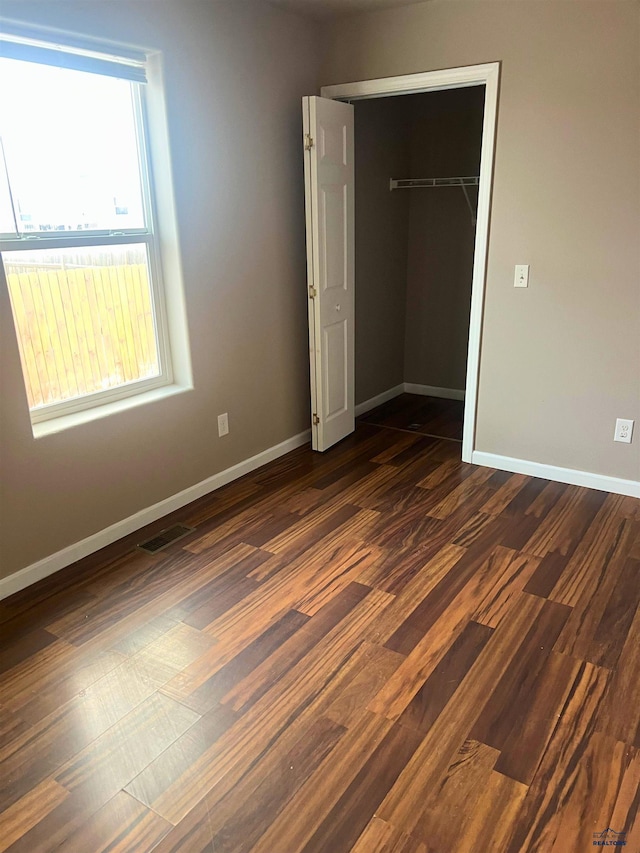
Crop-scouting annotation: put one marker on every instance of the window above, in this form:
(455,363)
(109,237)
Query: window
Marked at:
(77,236)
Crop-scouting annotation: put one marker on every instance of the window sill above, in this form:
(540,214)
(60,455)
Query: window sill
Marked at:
(64,422)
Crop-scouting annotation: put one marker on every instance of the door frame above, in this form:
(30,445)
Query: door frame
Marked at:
(487,75)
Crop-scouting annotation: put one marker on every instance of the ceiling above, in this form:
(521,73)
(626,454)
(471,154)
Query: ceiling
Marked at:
(332,8)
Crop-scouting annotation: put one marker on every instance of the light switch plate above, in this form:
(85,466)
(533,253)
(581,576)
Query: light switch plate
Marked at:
(521,278)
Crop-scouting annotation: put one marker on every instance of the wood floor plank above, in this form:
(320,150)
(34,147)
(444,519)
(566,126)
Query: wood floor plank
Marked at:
(426,574)
(268,673)
(52,695)
(592,551)
(294,693)
(12,726)
(54,675)
(420,414)
(52,598)
(377,648)
(123,825)
(228,497)
(248,671)
(223,592)
(471,569)
(536,498)
(309,530)
(209,692)
(448,807)
(591,607)
(115,622)
(370,492)
(132,642)
(373,665)
(429,702)
(15,651)
(353,560)
(567,522)
(73,726)
(402,806)
(565,803)
(620,713)
(501,499)
(494,817)
(94,775)
(520,680)
(440,629)
(193,833)
(381,837)
(120,570)
(400,442)
(346,821)
(461,494)
(115,758)
(626,811)
(295,825)
(507,576)
(539,710)
(586,799)
(546,575)
(29,810)
(613,628)
(176,760)
(241,817)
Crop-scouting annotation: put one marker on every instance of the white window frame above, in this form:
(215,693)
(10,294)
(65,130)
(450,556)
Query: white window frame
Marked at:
(148,236)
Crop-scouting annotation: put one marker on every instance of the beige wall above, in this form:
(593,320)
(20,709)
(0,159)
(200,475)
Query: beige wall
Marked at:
(561,360)
(382,221)
(235,73)
(445,137)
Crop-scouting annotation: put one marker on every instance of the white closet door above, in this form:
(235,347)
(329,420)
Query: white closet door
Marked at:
(329,189)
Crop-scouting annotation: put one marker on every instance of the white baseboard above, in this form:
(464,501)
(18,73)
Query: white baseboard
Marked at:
(434,391)
(47,566)
(560,475)
(378,400)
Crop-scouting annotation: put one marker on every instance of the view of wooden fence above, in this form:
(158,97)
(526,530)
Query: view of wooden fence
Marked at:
(82,330)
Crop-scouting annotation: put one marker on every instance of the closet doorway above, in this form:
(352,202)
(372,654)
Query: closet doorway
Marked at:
(397,227)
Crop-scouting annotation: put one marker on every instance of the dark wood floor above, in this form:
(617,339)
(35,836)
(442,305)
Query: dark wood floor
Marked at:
(378,649)
(425,415)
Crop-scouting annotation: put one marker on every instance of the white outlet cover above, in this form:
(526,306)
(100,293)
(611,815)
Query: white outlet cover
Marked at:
(223,425)
(624,430)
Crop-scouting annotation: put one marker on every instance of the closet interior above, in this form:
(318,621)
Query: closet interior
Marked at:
(417,163)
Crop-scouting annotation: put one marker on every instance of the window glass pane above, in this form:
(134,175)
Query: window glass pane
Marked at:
(84,319)
(71,150)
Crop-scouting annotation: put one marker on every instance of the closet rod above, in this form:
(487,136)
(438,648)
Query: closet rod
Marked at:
(409,183)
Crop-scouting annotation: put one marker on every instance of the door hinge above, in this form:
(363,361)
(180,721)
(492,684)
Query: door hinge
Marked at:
(316,419)
(308,142)
(312,293)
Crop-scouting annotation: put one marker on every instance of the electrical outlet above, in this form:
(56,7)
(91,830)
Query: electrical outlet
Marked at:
(624,430)
(521,278)
(223,425)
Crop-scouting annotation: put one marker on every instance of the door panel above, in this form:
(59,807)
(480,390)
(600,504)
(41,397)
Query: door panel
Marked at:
(329,189)
(335,346)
